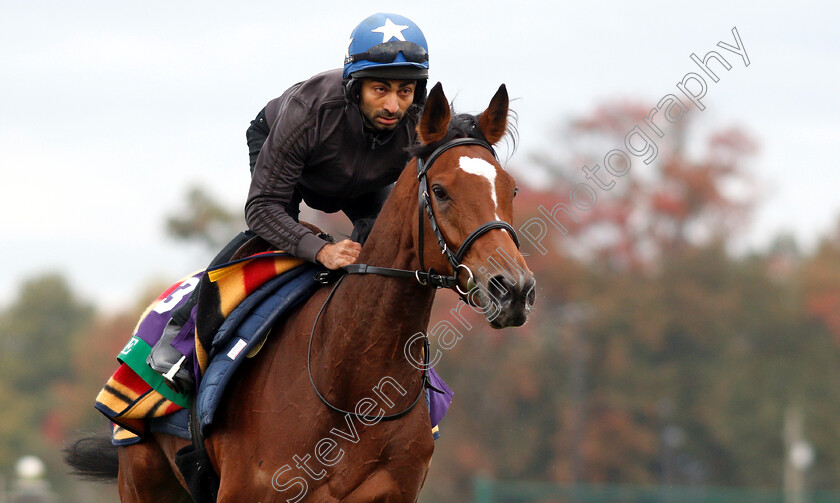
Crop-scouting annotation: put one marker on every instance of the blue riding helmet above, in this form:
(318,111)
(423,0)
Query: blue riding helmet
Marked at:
(387,46)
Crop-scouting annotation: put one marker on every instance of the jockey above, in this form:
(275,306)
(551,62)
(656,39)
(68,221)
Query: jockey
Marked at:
(336,142)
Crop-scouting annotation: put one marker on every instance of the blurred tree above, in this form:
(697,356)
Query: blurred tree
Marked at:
(654,209)
(55,355)
(39,327)
(821,283)
(204,220)
(36,334)
(207,222)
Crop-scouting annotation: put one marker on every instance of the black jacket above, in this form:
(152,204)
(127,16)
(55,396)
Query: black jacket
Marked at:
(319,150)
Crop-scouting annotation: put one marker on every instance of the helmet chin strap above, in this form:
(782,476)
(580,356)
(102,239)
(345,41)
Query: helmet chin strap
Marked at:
(352,90)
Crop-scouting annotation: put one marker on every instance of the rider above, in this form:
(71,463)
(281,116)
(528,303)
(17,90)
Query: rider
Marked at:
(337,142)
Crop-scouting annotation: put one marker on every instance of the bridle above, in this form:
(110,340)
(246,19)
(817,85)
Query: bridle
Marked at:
(425,202)
(424,277)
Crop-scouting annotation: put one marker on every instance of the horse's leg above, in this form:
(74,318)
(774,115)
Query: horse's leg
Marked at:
(147,474)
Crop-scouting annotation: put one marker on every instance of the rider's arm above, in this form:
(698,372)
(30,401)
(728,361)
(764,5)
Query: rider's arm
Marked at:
(277,171)
(256,135)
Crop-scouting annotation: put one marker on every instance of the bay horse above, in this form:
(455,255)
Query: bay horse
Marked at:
(278,439)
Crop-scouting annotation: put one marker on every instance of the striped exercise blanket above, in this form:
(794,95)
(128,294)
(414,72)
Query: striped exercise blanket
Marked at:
(135,392)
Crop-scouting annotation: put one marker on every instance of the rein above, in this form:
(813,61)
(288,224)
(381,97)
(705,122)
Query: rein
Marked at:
(424,277)
(424,379)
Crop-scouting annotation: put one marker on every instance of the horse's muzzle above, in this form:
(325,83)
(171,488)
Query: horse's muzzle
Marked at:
(513,300)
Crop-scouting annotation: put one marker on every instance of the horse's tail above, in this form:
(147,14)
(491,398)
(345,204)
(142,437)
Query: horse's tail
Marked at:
(93,458)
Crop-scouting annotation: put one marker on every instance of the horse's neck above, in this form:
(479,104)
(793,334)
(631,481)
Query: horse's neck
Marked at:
(372,318)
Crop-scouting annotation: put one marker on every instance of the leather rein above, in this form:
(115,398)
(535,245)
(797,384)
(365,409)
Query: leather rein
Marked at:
(424,277)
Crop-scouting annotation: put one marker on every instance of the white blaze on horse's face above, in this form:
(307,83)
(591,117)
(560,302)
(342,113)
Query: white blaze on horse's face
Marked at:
(480,167)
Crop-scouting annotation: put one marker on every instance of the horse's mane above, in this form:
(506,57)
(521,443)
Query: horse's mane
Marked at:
(466,126)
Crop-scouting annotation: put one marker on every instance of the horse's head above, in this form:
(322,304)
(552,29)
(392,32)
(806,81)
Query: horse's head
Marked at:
(469,198)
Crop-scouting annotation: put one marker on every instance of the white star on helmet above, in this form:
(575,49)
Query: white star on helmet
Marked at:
(390,30)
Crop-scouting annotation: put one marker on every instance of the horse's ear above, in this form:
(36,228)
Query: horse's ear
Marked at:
(436,114)
(493,121)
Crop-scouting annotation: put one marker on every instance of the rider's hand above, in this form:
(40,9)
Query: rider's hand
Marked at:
(337,255)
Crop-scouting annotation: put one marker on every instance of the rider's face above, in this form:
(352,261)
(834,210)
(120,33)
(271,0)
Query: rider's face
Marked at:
(384,102)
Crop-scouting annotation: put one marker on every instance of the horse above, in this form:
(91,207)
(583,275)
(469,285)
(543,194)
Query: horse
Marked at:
(325,411)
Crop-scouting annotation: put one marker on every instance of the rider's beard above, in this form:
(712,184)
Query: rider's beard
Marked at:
(370,119)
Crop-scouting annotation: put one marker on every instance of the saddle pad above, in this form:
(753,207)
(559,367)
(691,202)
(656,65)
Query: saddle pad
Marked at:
(225,287)
(238,335)
(128,401)
(150,329)
(135,393)
(176,424)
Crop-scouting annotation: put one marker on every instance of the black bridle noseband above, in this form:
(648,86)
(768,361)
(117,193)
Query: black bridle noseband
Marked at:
(424,277)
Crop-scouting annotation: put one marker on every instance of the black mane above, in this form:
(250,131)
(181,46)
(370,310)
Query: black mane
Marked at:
(466,126)
(460,126)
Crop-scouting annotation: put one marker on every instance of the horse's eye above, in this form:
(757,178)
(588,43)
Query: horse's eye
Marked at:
(515,191)
(440,193)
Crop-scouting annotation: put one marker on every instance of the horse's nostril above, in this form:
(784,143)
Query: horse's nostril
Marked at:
(530,291)
(507,292)
(531,297)
(501,288)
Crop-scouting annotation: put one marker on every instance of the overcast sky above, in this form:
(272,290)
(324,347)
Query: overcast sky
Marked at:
(109,110)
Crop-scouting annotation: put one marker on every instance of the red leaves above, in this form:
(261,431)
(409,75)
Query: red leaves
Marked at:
(653,210)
